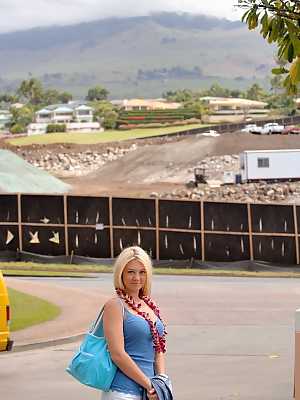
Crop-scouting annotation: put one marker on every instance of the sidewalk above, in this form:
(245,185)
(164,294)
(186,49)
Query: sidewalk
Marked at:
(78,309)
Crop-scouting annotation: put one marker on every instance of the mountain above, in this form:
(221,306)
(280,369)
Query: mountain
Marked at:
(137,56)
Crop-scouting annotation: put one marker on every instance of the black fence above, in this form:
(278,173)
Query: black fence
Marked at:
(232,127)
(100,227)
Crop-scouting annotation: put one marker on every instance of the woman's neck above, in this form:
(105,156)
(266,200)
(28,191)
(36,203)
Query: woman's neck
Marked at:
(134,295)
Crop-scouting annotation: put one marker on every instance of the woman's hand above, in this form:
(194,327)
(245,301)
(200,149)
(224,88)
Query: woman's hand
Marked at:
(151,394)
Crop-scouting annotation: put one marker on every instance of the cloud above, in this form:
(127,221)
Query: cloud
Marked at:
(17,14)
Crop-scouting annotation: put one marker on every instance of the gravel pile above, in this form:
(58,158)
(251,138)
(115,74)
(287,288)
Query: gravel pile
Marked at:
(251,192)
(77,163)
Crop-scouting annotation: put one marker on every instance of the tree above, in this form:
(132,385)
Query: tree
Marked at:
(31,90)
(179,96)
(279,23)
(276,84)
(65,97)
(8,98)
(256,92)
(279,98)
(21,117)
(97,93)
(105,112)
(216,90)
(50,96)
(110,119)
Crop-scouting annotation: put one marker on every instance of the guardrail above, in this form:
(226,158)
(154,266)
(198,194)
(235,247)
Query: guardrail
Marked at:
(228,128)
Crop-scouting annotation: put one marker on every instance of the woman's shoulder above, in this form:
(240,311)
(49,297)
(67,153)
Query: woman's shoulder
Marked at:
(114,304)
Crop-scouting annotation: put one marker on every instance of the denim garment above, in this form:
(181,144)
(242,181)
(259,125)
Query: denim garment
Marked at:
(119,396)
(139,346)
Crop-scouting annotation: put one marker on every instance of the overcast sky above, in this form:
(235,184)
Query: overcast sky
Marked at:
(20,14)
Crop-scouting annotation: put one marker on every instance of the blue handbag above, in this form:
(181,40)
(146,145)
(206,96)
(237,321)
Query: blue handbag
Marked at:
(92,364)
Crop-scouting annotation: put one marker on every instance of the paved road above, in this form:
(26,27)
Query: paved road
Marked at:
(229,338)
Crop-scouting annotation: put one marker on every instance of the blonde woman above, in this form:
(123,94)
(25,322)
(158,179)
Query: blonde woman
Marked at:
(133,328)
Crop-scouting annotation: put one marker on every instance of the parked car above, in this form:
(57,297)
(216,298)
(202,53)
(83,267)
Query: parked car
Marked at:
(248,128)
(256,129)
(211,132)
(5,342)
(272,127)
(291,129)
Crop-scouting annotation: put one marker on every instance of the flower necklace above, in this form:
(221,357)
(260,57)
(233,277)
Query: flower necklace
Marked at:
(159,342)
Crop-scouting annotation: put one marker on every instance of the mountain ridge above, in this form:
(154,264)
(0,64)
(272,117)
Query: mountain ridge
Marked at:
(112,51)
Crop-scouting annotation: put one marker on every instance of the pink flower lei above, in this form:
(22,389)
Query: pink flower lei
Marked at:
(159,342)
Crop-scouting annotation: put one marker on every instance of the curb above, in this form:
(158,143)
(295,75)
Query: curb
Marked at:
(48,343)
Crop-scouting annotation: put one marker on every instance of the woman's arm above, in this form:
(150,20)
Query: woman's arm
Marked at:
(159,364)
(113,331)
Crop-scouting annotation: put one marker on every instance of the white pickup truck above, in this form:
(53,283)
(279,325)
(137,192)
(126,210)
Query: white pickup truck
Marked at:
(267,129)
(272,127)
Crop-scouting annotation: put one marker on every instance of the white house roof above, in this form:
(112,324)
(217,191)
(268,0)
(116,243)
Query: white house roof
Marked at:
(231,101)
(83,107)
(152,103)
(44,111)
(63,109)
(70,107)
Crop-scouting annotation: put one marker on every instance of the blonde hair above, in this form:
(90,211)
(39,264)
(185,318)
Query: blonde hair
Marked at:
(128,254)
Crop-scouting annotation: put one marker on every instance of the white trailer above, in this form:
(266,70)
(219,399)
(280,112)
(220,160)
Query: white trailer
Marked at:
(270,165)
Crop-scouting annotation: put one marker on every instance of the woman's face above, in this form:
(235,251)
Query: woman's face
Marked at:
(134,276)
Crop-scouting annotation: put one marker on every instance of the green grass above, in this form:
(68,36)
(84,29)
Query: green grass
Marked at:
(30,266)
(52,270)
(27,310)
(50,274)
(97,137)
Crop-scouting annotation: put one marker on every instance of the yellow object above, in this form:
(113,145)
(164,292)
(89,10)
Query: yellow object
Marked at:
(5,342)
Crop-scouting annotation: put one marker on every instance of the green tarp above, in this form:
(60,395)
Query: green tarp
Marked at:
(18,176)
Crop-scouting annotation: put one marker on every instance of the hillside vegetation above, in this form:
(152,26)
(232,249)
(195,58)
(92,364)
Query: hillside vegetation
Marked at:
(137,56)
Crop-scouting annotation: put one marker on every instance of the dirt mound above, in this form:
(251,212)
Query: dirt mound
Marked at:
(158,167)
(158,164)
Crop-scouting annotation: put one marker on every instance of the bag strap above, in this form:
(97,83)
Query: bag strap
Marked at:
(95,324)
(99,320)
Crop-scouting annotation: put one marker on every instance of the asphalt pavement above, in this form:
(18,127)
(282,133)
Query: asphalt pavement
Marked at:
(229,338)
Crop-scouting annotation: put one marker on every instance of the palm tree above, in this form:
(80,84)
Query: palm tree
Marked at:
(31,90)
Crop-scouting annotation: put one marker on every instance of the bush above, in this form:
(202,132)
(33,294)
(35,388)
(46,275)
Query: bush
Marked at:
(51,128)
(17,128)
(141,117)
(110,119)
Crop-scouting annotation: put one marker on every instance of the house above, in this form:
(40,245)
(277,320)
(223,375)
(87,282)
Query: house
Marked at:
(5,119)
(63,113)
(145,104)
(17,105)
(225,109)
(77,116)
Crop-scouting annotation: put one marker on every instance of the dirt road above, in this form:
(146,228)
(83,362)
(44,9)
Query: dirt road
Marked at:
(161,164)
(167,166)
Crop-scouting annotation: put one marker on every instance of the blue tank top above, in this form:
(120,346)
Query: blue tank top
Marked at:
(139,346)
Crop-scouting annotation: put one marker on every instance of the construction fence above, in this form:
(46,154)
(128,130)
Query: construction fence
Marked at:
(100,227)
(232,127)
